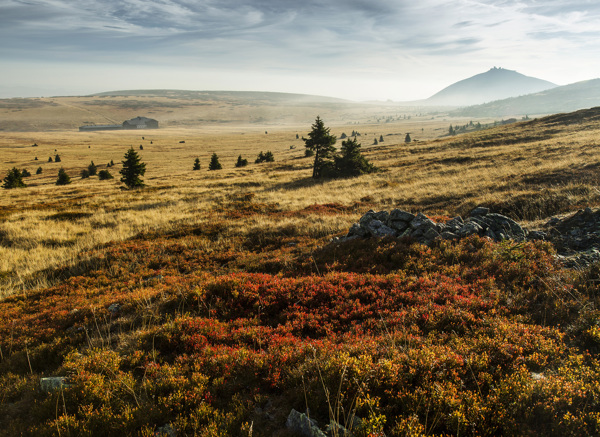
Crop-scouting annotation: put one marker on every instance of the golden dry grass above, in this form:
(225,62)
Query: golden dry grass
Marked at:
(533,168)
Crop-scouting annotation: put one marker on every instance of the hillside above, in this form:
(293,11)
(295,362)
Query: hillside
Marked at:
(566,98)
(217,303)
(180,108)
(495,84)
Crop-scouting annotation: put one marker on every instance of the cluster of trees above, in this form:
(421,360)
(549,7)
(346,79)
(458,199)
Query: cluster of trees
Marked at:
(453,130)
(241,162)
(264,157)
(327,162)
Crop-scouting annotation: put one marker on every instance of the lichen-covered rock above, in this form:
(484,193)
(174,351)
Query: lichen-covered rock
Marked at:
(422,222)
(356,230)
(469,228)
(480,211)
(453,225)
(507,226)
(53,383)
(300,424)
(576,238)
(402,216)
(378,229)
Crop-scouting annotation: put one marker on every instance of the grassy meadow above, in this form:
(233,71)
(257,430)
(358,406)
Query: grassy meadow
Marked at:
(212,302)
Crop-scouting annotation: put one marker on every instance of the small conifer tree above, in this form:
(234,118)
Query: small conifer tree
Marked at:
(85,173)
(25,173)
(92,169)
(407,138)
(214,163)
(57,158)
(351,162)
(14,179)
(196,164)
(39,170)
(381,138)
(132,169)
(241,162)
(104,175)
(63,177)
(321,143)
(50,159)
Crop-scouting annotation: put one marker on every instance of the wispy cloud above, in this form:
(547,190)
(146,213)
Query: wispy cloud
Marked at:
(351,37)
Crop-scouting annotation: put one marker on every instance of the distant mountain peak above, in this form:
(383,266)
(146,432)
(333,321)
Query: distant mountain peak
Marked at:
(495,84)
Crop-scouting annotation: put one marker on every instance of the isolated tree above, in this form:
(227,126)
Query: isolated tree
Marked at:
(25,173)
(343,136)
(196,164)
(132,169)
(85,173)
(241,162)
(375,141)
(36,158)
(297,136)
(214,163)
(63,177)
(407,138)
(92,169)
(451,130)
(381,138)
(320,142)
(39,170)
(104,175)
(50,159)
(351,162)
(14,179)
(57,158)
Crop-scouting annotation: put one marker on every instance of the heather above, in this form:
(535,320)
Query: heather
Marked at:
(469,338)
(212,303)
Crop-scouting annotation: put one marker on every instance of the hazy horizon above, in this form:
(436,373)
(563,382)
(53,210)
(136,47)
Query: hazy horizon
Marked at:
(351,49)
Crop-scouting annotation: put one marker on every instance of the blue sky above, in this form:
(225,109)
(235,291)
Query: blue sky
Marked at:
(354,49)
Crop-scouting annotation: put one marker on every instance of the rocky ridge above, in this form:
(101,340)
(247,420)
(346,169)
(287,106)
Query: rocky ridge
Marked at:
(576,238)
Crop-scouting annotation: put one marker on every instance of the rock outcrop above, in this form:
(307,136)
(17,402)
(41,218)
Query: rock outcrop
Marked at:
(398,223)
(576,237)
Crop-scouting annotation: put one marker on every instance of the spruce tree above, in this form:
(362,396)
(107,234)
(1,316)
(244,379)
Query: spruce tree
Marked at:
(320,142)
(241,162)
(196,164)
(92,169)
(132,169)
(39,170)
(104,175)
(407,138)
(351,162)
(63,177)
(14,179)
(214,163)
(381,138)
(57,158)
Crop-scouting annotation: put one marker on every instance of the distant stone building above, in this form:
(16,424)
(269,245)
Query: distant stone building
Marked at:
(140,123)
(134,123)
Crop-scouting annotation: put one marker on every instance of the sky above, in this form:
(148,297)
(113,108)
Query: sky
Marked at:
(353,49)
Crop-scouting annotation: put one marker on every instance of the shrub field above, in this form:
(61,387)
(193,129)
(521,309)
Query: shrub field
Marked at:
(216,305)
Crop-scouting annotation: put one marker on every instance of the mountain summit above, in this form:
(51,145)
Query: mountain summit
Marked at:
(495,84)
